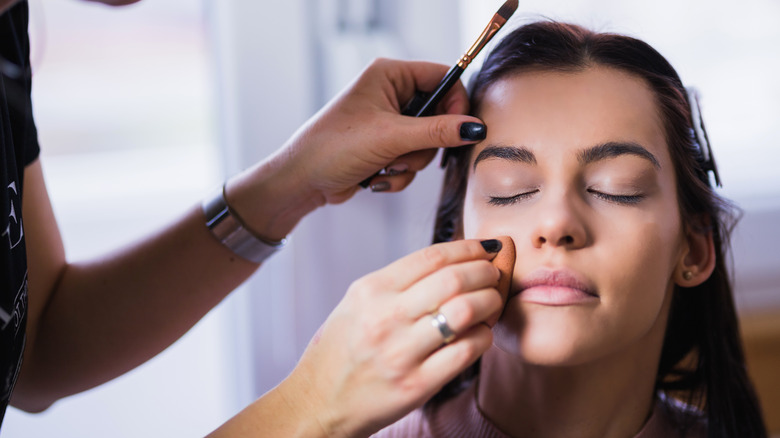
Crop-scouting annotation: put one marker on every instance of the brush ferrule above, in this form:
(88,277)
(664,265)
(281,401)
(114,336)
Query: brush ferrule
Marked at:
(491,29)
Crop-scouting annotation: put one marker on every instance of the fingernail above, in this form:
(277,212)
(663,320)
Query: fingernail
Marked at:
(472,131)
(397,169)
(491,246)
(380,186)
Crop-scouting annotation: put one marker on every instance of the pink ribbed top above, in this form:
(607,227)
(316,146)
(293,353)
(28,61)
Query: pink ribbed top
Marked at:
(460,418)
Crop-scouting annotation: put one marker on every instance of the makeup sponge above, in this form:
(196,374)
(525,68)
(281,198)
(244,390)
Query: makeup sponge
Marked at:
(505,262)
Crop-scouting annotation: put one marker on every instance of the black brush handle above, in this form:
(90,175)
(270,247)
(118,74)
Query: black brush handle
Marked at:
(424,104)
(438,94)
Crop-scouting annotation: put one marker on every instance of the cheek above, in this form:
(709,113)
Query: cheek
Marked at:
(639,255)
(481,220)
(632,263)
(474,217)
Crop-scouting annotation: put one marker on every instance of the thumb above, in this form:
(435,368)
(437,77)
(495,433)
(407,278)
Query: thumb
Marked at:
(441,131)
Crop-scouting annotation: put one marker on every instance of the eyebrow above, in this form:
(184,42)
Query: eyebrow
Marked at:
(599,152)
(614,149)
(520,154)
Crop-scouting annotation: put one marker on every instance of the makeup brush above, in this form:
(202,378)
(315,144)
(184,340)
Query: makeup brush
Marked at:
(423,104)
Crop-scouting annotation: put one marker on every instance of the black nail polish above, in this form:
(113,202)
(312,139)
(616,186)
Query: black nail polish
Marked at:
(381,186)
(473,131)
(491,246)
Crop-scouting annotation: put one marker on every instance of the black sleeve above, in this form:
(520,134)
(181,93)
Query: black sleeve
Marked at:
(17,85)
(18,148)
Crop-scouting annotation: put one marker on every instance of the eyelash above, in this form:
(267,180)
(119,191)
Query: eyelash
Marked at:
(510,200)
(616,199)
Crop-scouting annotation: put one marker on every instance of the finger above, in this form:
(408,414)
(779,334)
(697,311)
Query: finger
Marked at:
(399,80)
(411,76)
(428,294)
(460,314)
(434,131)
(470,309)
(455,101)
(404,272)
(396,183)
(414,161)
(505,262)
(400,173)
(421,133)
(449,361)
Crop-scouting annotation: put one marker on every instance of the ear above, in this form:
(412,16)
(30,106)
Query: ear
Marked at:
(697,259)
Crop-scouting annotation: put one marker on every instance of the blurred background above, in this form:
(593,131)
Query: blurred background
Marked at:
(143,109)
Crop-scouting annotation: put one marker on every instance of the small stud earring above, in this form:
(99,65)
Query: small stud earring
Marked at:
(688,275)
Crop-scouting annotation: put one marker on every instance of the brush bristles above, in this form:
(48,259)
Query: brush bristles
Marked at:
(509,8)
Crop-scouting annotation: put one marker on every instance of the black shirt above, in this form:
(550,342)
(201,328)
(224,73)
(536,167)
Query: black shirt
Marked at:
(18,148)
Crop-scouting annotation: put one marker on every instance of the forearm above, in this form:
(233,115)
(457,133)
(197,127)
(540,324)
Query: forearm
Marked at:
(90,322)
(106,316)
(288,410)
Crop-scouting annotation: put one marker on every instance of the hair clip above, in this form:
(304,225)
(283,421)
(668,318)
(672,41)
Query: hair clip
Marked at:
(699,134)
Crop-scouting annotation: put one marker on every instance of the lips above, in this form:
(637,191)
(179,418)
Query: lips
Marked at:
(556,288)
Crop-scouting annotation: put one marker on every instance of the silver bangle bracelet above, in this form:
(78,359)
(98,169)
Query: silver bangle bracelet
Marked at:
(230,230)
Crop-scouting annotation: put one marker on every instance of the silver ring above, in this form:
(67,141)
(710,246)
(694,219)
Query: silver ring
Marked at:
(440,322)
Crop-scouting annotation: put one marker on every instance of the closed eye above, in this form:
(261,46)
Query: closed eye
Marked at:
(618,199)
(510,200)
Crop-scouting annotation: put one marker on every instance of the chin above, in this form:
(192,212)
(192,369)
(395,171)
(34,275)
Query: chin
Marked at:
(555,337)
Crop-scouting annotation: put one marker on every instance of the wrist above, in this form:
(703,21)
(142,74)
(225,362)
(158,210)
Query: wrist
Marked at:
(314,417)
(270,200)
(230,230)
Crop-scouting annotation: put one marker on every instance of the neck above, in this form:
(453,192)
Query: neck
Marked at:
(609,397)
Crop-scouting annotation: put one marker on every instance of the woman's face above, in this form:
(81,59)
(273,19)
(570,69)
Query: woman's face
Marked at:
(575,168)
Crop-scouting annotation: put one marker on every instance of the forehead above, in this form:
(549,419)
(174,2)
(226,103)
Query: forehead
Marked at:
(550,110)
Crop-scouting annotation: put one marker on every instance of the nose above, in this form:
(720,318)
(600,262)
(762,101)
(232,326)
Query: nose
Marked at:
(558,224)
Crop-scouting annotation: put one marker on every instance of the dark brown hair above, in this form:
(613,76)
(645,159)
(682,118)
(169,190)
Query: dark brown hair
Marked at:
(702,360)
